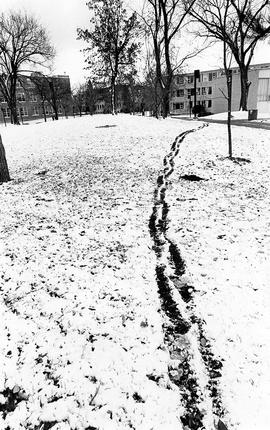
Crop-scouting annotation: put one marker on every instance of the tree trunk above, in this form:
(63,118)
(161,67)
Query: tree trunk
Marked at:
(244,88)
(53,100)
(13,104)
(4,173)
(113,98)
(167,52)
(14,118)
(55,110)
(44,111)
(166,99)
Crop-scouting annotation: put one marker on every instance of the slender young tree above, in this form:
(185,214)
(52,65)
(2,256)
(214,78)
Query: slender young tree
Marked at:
(90,97)
(247,23)
(79,97)
(112,41)
(23,41)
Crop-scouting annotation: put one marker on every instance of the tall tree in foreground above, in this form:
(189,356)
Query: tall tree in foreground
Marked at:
(227,59)
(247,23)
(4,172)
(169,17)
(111,37)
(164,21)
(23,41)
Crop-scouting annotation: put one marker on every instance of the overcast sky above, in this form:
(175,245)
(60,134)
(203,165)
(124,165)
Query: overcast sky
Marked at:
(62,17)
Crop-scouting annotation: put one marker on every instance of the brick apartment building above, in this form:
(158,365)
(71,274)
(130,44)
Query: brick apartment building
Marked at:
(29,101)
(211,88)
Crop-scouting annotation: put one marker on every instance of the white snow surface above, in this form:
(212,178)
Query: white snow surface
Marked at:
(265,117)
(81,324)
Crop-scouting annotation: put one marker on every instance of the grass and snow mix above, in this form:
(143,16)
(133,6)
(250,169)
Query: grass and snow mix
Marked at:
(82,343)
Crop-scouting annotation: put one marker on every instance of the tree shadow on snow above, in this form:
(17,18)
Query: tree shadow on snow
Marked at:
(106,126)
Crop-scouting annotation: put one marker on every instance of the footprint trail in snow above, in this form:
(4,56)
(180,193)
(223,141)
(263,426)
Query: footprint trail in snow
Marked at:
(193,367)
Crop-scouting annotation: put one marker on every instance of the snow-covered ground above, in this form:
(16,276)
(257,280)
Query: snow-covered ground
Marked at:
(82,344)
(240,115)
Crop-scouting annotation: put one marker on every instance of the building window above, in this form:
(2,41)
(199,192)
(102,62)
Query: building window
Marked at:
(190,79)
(203,102)
(48,110)
(180,80)
(22,111)
(189,91)
(21,97)
(203,91)
(180,93)
(209,90)
(178,106)
(33,98)
(5,112)
(35,110)
(198,91)
(264,90)
(212,75)
(209,103)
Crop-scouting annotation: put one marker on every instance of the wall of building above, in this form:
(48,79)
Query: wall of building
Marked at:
(29,106)
(212,91)
(263,104)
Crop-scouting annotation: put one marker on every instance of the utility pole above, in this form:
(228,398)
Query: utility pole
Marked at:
(196,76)
(229,84)
(189,105)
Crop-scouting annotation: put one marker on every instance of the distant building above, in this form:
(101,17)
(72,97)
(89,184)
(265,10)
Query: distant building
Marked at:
(128,99)
(29,100)
(212,86)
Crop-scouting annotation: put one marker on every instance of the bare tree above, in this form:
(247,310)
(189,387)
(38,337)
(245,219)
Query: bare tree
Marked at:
(79,97)
(164,24)
(112,41)
(152,93)
(4,172)
(42,90)
(227,59)
(247,23)
(90,97)
(153,22)
(53,90)
(22,41)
